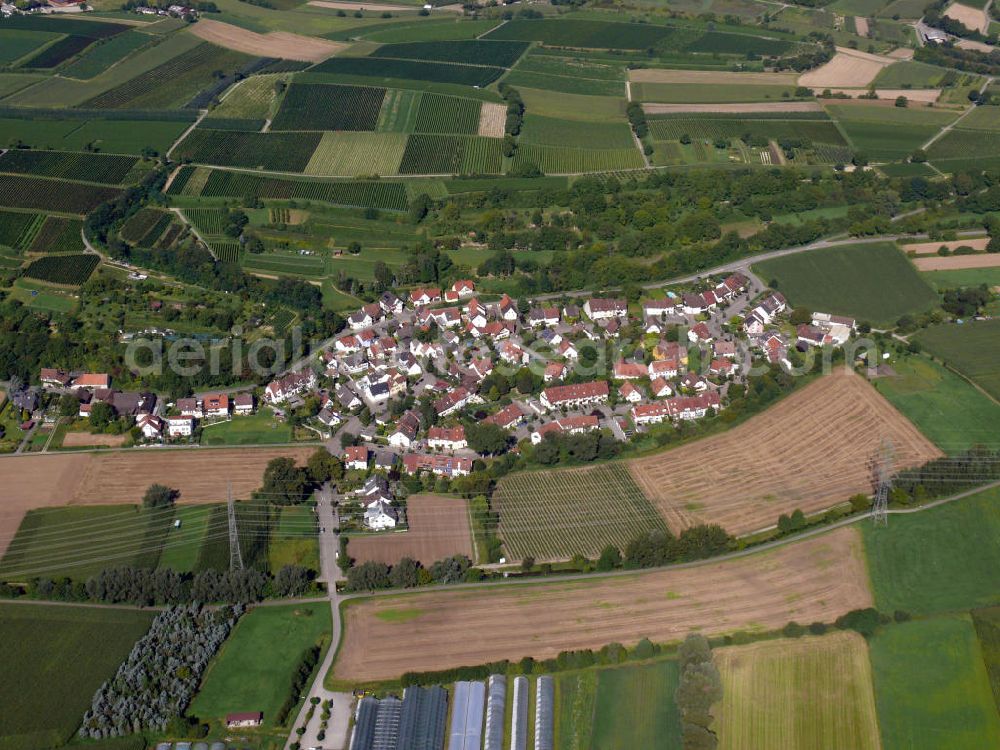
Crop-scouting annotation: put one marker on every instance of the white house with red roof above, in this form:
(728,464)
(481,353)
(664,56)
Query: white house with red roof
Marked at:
(447,438)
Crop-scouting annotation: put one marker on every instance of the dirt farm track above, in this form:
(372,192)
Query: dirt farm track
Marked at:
(817,579)
(811,452)
(121,477)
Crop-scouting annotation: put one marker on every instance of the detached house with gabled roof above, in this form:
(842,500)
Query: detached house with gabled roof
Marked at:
(598,308)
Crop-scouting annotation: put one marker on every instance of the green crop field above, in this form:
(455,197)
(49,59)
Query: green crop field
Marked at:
(53,195)
(432,30)
(937,560)
(347,154)
(887,133)
(222,184)
(573,106)
(182,546)
(295,540)
(970,348)
(145,226)
(965,144)
(872,281)
(569,84)
(313,106)
(470,52)
(634,707)
(551,131)
(101,56)
(18,43)
(100,168)
(256,429)
(582,33)
(49,679)
(17,229)
(555,160)
(443,154)
(709,128)
(70,270)
(103,536)
(791,694)
(447,114)
(941,280)
(982,118)
(987,622)
(58,235)
(209,221)
(399,111)
(256,664)
(287,152)
(932,688)
(686,93)
(946,408)
(390,68)
(909,74)
(173,83)
(549,515)
(588,66)
(280,263)
(113,136)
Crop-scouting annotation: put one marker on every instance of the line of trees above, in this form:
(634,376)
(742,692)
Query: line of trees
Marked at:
(700,687)
(408,573)
(300,681)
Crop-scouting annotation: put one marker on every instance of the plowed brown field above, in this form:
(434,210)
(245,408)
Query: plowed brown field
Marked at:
(817,579)
(439,528)
(811,451)
(281,44)
(201,475)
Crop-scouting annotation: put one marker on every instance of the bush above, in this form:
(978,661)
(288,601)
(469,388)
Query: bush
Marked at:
(865,621)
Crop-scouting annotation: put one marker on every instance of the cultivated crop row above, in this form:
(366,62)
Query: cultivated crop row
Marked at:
(208,220)
(469,52)
(467,75)
(444,154)
(63,269)
(289,152)
(59,235)
(386,195)
(550,515)
(16,228)
(52,195)
(555,160)
(815,131)
(447,114)
(316,106)
(107,169)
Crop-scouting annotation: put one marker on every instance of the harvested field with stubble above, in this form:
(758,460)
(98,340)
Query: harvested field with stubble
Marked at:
(929,248)
(811,451)
(121,477)
(492,120)
(85,439)
(849,68)
(974,19)
(816,579)
(958,262)
(281,44)
(802,693)
(438,528)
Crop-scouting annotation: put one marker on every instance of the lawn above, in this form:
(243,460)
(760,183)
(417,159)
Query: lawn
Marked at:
(987,622)
(182,545)
(931,687)
(635,707)
(871,282)
(939,560)
(944,406)
(254,669)
(963,277)
(970,348)
(258,429)
(81,541)
(50,677)
(803,693)
(294,541)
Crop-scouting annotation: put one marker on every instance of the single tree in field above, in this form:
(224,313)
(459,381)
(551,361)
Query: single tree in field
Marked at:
(159,496)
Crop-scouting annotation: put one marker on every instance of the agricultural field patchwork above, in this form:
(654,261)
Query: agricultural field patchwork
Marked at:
(391,68)
(444,154)
(809,692)
(251,99)
(106,170)
(447,114)
(58,235)
(288,152)
(71,270)
(887,133)
(970,348)
(53,195)
(852,280)
(50,678)
(467,52)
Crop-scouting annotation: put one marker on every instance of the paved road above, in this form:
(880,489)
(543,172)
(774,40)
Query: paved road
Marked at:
(337,728)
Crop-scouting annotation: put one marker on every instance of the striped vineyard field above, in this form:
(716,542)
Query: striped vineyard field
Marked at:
(447,114)
(52,195)
(818,131)
(555,515)
(208,220)
(390,196)
(284,152)
(318,106)
(443,154)
(555,160)
(107,169)
(227,252)
(63,269)
(16,229)
(59,235)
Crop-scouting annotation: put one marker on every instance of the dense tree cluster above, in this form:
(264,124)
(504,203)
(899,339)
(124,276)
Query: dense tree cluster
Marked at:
(700,686)
(159,677)
(661,547)
(407,573)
